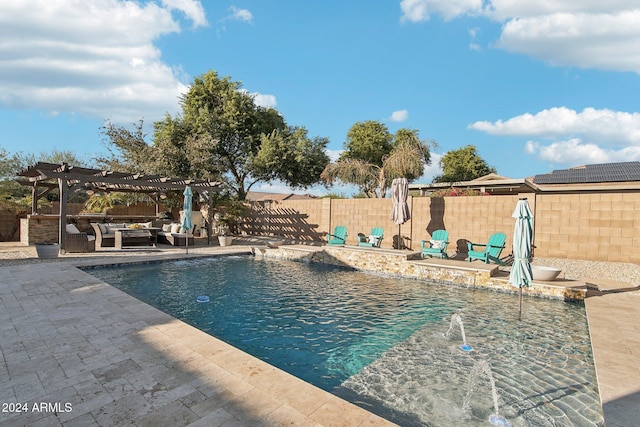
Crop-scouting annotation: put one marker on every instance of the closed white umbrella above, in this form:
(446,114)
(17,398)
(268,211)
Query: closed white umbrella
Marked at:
(521,274)
(400,211)
(186,209)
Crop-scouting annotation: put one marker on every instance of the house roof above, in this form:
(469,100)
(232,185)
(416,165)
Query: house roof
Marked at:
(491,183)
(598,173)
(257,196)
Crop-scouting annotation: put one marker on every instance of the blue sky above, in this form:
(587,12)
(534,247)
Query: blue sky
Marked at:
(536,86)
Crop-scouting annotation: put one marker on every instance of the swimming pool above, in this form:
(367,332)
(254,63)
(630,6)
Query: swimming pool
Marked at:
(379,342)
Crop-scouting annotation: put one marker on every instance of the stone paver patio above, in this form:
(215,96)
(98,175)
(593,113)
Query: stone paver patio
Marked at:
(90,355)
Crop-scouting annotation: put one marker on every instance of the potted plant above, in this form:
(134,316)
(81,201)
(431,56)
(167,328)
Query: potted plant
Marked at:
(47,250)
(227,221)
(221,229)
(224,237)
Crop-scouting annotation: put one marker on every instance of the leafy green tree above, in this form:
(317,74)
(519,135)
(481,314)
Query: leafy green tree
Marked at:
(463,164)
(291,156)
(10,165)
(405,155)
(128,150)
(369,141)
(222,135)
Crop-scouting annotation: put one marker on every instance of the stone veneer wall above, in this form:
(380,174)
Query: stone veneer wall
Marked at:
(37,229)
(409,265)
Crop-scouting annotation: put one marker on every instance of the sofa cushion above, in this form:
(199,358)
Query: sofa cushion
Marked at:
(72,229)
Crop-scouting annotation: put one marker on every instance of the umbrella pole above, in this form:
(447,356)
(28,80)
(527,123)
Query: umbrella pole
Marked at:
(520,305)
(399,237)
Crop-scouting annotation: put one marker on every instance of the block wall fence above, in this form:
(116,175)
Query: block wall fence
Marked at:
(589,226)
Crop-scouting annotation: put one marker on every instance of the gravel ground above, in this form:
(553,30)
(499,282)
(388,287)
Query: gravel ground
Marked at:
(581,269)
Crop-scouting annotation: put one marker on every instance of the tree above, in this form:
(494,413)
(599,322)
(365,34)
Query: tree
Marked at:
(128,149)
(291,156)
(373,158)
(369,141)
(220,135)
(10,165)
(463,164)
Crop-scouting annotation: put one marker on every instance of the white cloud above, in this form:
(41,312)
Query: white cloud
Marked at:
(92,58)
(399,116)
(334,154)
(420,10)
(432,170)
(602,41)
(603,126)
(264,100)
(575,152)
(191,8)
(570,137)
(587,33)
(243,15)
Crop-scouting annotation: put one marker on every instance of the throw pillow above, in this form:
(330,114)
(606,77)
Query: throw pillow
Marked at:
(175,228)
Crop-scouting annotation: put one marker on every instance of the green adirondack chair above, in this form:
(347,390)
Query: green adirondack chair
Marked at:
(373,240)
(437,246)
(492,250)
(339,236)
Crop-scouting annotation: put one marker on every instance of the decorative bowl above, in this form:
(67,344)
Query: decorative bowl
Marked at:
(546,274)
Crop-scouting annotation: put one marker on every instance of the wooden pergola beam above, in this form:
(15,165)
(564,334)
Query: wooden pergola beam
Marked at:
(69,178)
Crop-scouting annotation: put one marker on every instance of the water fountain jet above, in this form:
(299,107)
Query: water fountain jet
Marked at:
(483,367)
(456,319)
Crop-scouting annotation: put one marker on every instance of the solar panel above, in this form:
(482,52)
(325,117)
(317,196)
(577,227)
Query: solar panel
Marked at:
(604,172)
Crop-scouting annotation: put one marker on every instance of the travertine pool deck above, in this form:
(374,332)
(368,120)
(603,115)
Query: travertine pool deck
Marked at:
(68,338)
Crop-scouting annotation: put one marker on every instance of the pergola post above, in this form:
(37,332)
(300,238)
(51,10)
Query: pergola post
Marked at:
(210,219)
(62,220)
(34,199)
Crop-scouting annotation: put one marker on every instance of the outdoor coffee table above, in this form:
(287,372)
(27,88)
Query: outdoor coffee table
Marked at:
(132,237)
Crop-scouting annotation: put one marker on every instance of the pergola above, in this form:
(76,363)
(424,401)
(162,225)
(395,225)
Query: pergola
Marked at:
(46,177)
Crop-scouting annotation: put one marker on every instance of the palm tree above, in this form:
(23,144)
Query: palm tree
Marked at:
(407,159)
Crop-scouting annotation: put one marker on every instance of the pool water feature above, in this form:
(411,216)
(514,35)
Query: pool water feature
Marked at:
(378,341)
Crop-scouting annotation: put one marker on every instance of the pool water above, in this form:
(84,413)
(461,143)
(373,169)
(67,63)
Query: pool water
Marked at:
(378,341)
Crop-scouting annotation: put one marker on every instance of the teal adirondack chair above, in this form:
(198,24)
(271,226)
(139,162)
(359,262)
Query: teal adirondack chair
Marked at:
(339,236)
(492,250)
(437,246)
(373,240)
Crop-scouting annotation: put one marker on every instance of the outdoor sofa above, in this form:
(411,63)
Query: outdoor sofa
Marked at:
(106,234)
(173,234)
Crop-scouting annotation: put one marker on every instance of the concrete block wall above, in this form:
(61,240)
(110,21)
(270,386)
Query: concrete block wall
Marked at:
(361,215)
(467,219)
(305,220)
(591,226)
